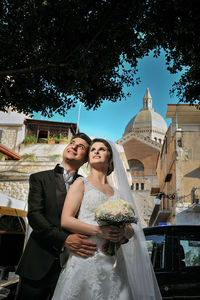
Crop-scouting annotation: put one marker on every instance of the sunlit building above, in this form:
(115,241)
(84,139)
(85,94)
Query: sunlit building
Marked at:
(142,142)
(178,168)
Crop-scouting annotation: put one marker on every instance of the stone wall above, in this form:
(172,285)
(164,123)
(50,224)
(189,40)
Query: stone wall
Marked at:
(145,205)
(43,150)
(24,167)
(9,136)
(14,176)
(15,189)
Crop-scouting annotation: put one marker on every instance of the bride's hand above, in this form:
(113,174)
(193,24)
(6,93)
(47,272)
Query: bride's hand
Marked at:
(111,233)
(129,231)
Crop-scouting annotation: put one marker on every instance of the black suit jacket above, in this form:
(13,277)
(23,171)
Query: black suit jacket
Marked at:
(47,193)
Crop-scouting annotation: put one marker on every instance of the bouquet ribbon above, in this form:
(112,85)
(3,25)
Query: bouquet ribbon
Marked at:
(111,249)
(115,258)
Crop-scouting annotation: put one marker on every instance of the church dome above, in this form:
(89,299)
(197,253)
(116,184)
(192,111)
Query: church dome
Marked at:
(147,122)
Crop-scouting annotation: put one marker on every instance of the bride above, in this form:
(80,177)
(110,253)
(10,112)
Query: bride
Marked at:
(95,277)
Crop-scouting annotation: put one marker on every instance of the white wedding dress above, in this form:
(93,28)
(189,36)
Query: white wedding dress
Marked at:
(93,278)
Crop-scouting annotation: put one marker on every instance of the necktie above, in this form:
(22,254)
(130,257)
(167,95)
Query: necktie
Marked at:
(68,179)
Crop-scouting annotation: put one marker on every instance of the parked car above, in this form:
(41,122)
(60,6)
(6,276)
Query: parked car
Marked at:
(174,252)
(175,255)
(12,237)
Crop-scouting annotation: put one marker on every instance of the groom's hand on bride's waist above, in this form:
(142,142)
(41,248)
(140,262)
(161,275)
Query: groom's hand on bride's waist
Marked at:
(79,245)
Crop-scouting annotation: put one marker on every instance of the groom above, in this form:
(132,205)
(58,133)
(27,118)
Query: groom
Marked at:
(39,266)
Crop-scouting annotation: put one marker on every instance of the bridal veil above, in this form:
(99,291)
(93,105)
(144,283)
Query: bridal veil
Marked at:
(140,272)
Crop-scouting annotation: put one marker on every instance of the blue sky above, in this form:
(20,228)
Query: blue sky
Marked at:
(110,120)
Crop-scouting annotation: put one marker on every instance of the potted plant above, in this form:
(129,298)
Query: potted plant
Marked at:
(63,140)
(30,139)
(3,157)
(51,140)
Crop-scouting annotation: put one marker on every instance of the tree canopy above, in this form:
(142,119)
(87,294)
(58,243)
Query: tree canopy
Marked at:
(53,53)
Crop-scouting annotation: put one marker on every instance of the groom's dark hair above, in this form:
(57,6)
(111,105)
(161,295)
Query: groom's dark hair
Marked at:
(82,136)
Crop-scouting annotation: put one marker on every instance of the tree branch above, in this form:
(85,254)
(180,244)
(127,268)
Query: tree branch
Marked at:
(105,22)
(6,89)
(32,68)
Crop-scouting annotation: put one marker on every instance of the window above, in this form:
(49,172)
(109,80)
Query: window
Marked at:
(166,145)
(43,134)
(179,142)
(137,186)
(168,177)
(135,165)
(162,160)
(189,252)
(142,186)
(195,194)
(156,250)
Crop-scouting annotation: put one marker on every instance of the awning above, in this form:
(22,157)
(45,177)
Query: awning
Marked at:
(12,155)
(9,211)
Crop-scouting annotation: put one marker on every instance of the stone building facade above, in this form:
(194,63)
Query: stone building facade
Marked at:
(15,127)
(23,160)
(178,168)
(42,129)
(12,129)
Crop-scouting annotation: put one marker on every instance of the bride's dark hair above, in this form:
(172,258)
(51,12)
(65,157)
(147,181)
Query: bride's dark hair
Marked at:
(110,160)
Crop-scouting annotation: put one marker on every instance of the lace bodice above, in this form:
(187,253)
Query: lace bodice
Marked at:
(91,200)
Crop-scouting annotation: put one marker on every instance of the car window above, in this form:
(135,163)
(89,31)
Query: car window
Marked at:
(156,250)
(189,252)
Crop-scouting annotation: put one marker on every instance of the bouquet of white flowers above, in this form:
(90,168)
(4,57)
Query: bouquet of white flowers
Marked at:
(114,212)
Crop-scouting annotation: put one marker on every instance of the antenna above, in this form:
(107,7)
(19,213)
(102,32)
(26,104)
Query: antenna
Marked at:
(78,118)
